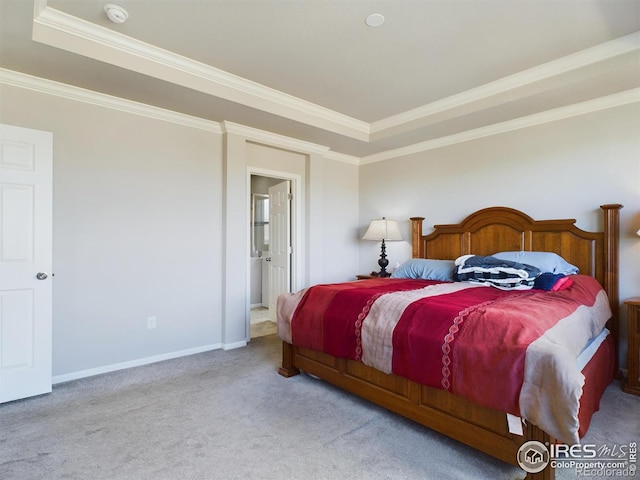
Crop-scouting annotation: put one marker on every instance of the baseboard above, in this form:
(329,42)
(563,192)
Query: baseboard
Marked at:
(231,346)
(67,377)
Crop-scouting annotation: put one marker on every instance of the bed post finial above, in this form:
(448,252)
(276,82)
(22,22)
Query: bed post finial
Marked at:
(611,268)
(416,237)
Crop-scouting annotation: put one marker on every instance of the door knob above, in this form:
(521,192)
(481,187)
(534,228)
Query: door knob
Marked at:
(268,259)
(42,276)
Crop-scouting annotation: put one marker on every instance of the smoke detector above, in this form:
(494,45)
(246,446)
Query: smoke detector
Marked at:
(375,20)
(116,13)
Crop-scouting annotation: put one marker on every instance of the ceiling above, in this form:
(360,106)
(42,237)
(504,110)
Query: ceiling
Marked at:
(313,70)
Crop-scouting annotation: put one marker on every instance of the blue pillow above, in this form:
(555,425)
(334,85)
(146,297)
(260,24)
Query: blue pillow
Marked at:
(426,269)
(546,262)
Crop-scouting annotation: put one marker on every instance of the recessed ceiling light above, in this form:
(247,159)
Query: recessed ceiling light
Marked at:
(375,20)
(115,13)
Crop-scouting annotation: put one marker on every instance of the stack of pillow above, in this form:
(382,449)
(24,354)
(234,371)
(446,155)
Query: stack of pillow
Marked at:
(493,271)
(517,270)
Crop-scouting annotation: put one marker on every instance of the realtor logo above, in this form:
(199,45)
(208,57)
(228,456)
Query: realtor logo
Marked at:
(533,456)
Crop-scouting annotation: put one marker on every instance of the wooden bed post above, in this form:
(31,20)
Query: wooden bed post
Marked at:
(287,369)
(611,266)
(416,237)
(535,433)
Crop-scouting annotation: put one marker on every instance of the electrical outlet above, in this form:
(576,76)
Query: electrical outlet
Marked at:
(151,322)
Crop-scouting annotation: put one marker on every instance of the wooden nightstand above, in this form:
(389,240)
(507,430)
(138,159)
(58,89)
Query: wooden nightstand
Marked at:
(633,356)
(364,277)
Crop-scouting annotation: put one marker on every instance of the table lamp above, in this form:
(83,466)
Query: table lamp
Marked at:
(385,230)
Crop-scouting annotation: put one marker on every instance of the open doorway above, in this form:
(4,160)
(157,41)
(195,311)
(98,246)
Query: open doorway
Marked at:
(270,249)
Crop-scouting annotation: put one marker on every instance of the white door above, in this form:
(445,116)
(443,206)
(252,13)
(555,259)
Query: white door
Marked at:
(25,262)
(279,242)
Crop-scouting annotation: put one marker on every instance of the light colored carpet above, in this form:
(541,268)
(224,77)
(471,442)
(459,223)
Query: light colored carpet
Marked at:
(229,415)
(260,314)
(262,329)
(261,323)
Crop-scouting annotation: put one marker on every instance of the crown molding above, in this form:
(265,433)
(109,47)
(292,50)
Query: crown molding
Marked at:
(610,101)
(69,92)
(58,29)
(50,87)
(499,91)
(273,139)
(276,140)
(342,157)
(287,143)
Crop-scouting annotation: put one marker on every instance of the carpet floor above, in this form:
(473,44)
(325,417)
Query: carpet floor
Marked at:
(229,415)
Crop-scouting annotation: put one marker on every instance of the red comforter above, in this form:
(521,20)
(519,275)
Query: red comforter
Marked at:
(514,351)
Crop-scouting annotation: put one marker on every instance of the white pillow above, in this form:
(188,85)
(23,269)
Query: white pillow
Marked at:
(546,262)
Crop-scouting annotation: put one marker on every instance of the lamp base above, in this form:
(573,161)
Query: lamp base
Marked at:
(383,262)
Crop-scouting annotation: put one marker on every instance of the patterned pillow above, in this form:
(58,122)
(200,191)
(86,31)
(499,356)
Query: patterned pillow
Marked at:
(498,273)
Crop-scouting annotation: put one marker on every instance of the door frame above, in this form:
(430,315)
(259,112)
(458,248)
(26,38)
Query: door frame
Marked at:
(297,239)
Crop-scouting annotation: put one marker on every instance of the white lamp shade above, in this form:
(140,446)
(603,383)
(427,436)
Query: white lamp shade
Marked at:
(638,233)
(384,229)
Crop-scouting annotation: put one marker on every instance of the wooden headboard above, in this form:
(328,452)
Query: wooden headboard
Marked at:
(499,229)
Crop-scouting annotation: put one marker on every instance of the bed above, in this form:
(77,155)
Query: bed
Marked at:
(441,407)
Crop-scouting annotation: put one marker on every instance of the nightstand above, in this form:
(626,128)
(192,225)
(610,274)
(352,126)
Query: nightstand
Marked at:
(364,277)
(633,356)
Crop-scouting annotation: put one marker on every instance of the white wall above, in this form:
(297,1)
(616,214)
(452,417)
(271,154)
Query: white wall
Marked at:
(563,169)
(339,223)
(137,220)
(147,220)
